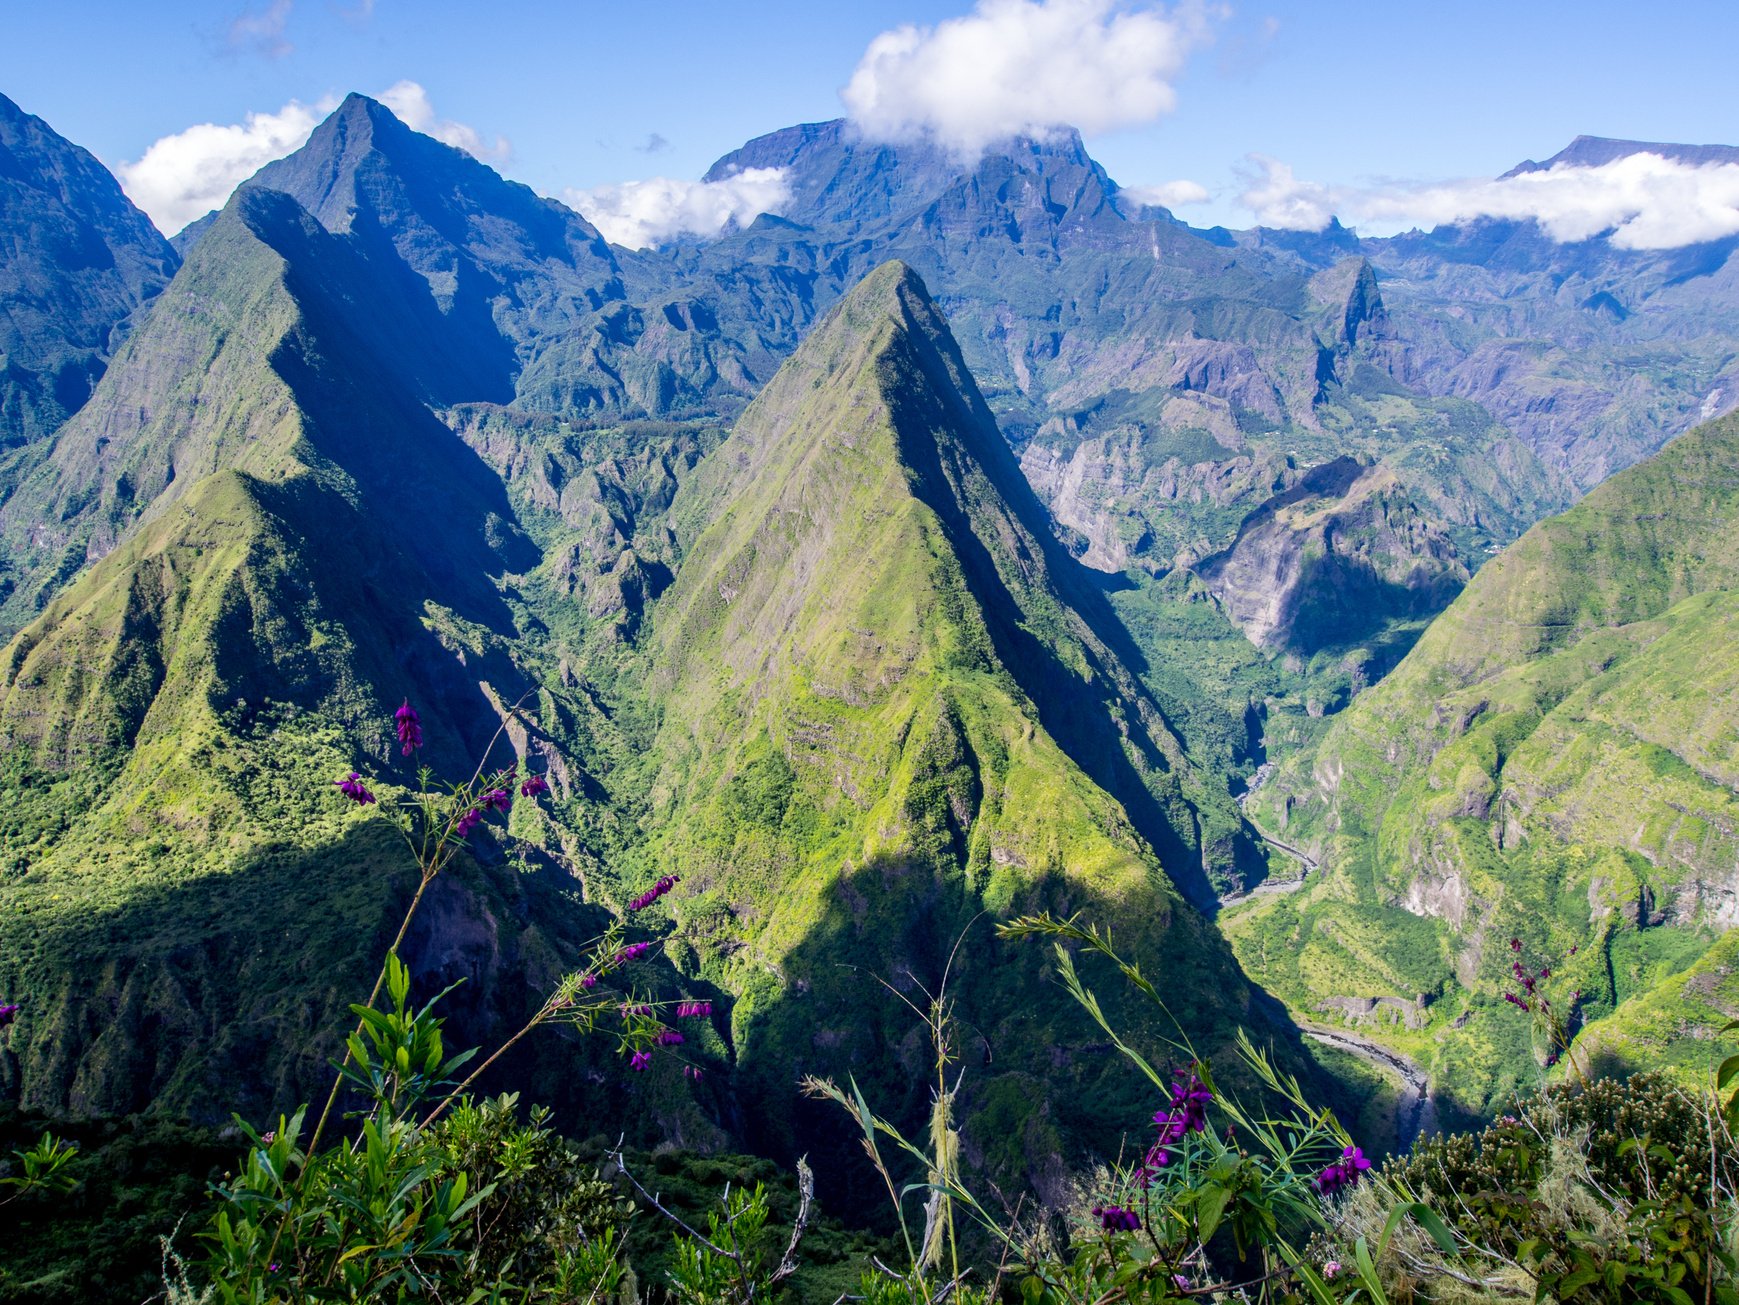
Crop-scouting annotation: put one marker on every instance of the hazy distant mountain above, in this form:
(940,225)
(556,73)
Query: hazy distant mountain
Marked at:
(1597,151)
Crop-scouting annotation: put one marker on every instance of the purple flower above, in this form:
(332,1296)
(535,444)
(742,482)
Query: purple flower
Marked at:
(1515,944)
(693,1009)
(588,981)
(8,1013)
(691,1071)
(467,822)
(1114,1218)
(1344,1173)
(1516,1001)
(533,786)
(669,1038)
(1157,1158)
(1331,1270)
(410,727)
(639,1061)
(653,893)
(353,789)
(1189,1102)
(629,1010)
(1171,1125)
(632,952)
(497,798)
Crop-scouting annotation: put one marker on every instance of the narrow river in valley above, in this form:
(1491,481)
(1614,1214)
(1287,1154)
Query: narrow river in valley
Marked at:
(1416,1112)
(1273,887)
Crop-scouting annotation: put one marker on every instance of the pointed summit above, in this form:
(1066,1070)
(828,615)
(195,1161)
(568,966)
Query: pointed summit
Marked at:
(875,637)
(874,436)
(363,167)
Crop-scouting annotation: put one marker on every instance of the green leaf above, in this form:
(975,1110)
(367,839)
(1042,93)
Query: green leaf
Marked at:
(1210,1208)
(1368,1271)
(1576,1280)
(1729,1068)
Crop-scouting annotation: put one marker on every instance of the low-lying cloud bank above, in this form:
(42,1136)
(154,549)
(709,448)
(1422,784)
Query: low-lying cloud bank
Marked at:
(1644,200)
(1024,68)
(641,214)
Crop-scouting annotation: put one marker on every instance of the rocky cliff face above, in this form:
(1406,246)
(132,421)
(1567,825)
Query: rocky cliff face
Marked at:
(76,259)
(1333,560)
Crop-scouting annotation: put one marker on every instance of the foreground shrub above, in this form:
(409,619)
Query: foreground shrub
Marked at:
(1609,1191)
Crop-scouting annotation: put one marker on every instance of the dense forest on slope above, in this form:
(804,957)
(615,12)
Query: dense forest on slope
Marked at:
(966,541)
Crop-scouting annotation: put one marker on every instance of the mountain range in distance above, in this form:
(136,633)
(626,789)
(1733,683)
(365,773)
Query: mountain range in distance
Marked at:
(962,541)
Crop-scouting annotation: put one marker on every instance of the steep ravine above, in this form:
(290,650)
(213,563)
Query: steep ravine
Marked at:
(1416,1111)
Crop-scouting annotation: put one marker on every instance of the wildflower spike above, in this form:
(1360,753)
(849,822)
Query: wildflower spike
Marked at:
(410,727)
(353,788)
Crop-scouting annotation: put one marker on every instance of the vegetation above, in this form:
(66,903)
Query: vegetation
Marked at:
(1554,761)
(1598,1191)
(839,673)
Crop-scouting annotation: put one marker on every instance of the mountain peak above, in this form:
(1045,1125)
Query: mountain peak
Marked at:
(839,176)
(1597,151)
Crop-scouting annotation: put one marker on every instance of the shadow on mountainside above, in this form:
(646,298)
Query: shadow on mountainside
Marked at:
(1042,1090)
(1104,719)
(229,991)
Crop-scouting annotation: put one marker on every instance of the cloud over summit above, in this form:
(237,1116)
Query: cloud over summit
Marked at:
(183,177)
(1023,67)
(640,214)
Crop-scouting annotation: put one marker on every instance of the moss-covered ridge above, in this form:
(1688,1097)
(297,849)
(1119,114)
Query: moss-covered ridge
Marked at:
(1557,761)
(885,703)
(304,544)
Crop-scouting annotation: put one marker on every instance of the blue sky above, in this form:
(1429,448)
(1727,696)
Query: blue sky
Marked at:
(1366,95)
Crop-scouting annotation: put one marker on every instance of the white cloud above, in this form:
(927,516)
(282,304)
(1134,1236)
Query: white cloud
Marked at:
(262,30)
(1169,194)
(1279,199)
(183,177)
(411,103)
(1023,67)
(640,214)
(1644,200)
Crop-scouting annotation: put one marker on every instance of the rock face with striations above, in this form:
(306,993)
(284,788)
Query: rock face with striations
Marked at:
(1333,560)
(76,259)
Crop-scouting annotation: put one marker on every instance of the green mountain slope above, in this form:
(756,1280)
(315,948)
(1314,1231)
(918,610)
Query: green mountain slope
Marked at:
(1556,760)
(885,702)
(181,900)
(286,523)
